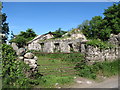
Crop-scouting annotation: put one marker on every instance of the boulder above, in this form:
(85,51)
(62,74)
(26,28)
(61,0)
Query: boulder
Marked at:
(21,58)
(32,61)
(21,52)
(35,58)
(33,66)
(29,55)
(119,37)
(26,61)
(15,47)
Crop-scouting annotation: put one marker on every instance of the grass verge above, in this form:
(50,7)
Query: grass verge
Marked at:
(105,68)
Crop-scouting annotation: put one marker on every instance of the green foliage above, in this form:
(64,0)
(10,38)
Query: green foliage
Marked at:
(85,28)
(101,28)
(105,68)
(95,28)
(5,28)
(100,44)
(13,70)
(12,35)
(29,33)
(112,15)
(23,37)
(58,33)
(21,41)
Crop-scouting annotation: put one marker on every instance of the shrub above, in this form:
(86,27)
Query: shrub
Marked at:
(24,37)
(21,41)
(100,44)
(13,72)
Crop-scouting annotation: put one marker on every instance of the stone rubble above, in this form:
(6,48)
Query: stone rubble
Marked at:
(31,60)
(28,57)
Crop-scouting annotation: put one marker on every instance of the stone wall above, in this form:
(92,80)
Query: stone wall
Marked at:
(93,54)
(27,57)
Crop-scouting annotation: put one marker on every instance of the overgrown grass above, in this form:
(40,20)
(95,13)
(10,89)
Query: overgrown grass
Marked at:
(100,44)
(105,68)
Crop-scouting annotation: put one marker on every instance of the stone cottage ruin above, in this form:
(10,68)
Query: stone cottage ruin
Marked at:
(75,42)
(50,45)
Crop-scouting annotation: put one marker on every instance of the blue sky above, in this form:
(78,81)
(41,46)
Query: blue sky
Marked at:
(43,17)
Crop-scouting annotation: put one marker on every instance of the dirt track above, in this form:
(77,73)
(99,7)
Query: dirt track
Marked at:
(111,82)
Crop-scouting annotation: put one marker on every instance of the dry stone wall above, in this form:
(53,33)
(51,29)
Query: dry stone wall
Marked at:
(95,54)
(27,57)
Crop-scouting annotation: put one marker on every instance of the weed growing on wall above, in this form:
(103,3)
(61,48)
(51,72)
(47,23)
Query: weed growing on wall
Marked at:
(100,44)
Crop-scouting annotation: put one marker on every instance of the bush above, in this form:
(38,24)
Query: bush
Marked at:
(24,37)
(100,44)
(21,41)
(13,72)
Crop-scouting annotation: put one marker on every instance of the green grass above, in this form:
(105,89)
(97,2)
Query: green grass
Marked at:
(52,81)
(55,71)
(58,64)
(99,69)
(57,68)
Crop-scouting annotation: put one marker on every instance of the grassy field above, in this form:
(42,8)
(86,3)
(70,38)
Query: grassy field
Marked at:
(57,69)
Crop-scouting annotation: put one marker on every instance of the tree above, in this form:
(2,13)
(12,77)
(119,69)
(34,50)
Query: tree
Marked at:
(22,38)
(95,27)
(29,33)
(101,28)
(58,33)
(12,35)
(5,28)
(112,15)
(85,28)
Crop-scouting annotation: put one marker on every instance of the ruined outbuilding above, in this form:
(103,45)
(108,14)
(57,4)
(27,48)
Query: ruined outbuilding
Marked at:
(75,42)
